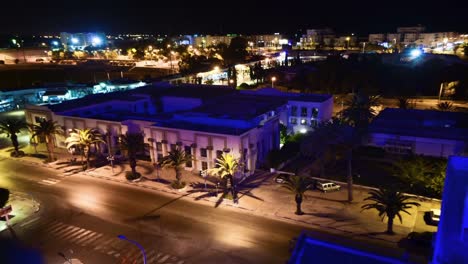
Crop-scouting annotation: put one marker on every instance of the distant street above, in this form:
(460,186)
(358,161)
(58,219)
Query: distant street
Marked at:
(85,215)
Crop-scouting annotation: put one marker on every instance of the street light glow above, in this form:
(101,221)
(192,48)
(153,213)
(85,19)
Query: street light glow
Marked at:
(74,40)
(416,53)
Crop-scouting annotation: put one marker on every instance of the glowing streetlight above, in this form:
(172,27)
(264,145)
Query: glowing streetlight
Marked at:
(216,68)
(273,79)
(347,41)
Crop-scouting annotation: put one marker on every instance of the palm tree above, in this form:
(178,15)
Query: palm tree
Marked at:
(47,129)
(11,127)
(358,114)
(445,106)
(405,103)
(83,139)
(132,143)
(360,110)
(226,167)
(389,203)
(176,159)
(298,185)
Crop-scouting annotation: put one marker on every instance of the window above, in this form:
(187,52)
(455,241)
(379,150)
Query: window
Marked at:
(160,156)
(188,151)
(38,119)
(158,146)
(314,112)
(203,152)
(303,111)
(173,147)
(219,153)
(204,165)
(293,120)
(294,110)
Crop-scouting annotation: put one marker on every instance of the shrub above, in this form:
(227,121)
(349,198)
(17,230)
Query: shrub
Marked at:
(4,196)
(132,176)
(177,185)
(244,86)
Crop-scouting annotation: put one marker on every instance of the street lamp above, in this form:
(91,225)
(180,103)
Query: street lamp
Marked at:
(273,79)
(122,237)
(347,42)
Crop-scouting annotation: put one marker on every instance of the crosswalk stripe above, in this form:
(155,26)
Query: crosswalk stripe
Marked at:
(54,226)
(102,245)
(69,232)
(133,254)
(151,256)
(161,260)
(85,236)
(30,221)
(74,235)
(80,236)
(91,239)
(64,229)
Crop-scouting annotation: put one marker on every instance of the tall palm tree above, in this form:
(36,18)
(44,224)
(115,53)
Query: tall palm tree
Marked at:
(176,159)
(47,129)
(298,185)
(11,127)
(132,143)
(359,112)
(226,167)
(83,139)
(389,203)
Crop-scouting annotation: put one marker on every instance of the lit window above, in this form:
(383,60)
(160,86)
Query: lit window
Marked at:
(303,122)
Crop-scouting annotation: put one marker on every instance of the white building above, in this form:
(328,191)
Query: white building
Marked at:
(425,132)
(451,240)
(79,41)
(204,120)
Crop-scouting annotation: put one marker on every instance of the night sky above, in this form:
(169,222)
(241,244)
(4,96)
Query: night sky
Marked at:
(230,16)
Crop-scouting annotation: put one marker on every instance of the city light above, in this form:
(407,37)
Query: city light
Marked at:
(74,40)
(55,43)
(96,41)
(415,53)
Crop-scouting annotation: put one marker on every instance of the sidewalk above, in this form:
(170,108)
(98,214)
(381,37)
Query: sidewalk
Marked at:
(260,195)
(23,207)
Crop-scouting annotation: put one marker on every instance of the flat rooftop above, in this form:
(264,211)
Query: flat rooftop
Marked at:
(421,123)
(272,92)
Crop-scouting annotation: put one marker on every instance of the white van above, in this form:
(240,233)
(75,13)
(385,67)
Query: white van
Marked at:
(328,186)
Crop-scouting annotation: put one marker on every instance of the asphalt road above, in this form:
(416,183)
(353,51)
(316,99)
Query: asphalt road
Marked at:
(172,229)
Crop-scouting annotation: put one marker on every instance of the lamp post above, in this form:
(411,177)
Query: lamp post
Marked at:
(111,159)
(347,42)
(273,79)
(122,237)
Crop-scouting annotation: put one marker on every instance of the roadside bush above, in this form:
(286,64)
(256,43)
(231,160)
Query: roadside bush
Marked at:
(177,185)
(244,86)
(423,239)
(132,176)
(4,196)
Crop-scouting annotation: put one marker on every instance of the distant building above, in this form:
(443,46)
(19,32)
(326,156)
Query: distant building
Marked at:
(79,41)
(25,55)
(317,37)
(417,36)
(425,132)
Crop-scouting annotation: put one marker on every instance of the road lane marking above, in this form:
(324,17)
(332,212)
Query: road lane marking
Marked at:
(91,239)
(164,258)
(30,221)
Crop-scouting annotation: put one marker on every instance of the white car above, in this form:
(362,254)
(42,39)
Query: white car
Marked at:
(327,186)
(434,216)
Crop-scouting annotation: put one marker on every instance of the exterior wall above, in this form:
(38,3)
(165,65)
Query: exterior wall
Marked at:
(452,234)
(418,145)
(307,122)
(376,38)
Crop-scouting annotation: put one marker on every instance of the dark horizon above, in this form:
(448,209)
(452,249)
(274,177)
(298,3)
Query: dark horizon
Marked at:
(244,18)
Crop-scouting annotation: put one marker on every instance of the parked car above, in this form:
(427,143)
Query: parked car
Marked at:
(327,186)
(434,216)
(282,177)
